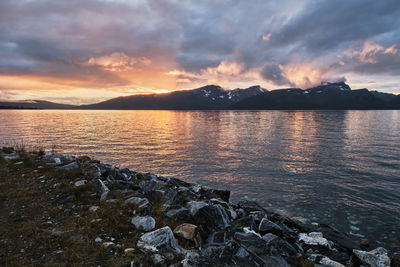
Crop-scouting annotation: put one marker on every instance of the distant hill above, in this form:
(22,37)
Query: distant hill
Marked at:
(212,97)
(327,96)
(207,97)
(34,104)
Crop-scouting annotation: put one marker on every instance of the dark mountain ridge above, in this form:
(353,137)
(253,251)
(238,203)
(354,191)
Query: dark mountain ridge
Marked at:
(35,104)
(212,97)
(208,97)
(326,96)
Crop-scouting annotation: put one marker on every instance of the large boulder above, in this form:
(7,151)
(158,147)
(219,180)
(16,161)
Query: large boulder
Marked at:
(161,239)
(212,218)
(374,258)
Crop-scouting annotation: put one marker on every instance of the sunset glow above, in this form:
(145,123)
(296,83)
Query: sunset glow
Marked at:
(74,52)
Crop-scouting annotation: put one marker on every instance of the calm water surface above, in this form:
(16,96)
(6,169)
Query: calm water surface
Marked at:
(337,167)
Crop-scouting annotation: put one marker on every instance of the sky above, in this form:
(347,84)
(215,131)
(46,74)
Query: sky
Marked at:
(85,51)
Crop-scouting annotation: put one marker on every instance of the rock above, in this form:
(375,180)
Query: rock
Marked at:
(98,240)
(161,239)
(374,258)
(321,259)
(142,203)
(169,196)
(194,206)
(108,244)
(80,183)
(180,214)
(315,239)
(278,247)
(186,230)
(251,242)
(104,190)
(147,186)
(158,259)
(94,208)
(145,223)
(129,251)
(266,226)
(57,161)
(212,218)
(71,166)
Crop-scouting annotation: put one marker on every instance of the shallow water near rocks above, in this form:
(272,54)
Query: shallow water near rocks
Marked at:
(336,167)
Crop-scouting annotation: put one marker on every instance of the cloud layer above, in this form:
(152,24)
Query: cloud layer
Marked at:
(71,48)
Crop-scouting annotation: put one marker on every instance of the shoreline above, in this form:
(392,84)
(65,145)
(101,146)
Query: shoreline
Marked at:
(117,217)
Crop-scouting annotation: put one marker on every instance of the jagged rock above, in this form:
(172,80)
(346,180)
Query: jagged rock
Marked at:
(374,258)
(321,259)
(104,190)
(180,214)
(252,242)
(315,239)
(142,203)
(212,218)
(194,206)
(266,226)
(161,239)
(145,223)
(278,247)
(186,230)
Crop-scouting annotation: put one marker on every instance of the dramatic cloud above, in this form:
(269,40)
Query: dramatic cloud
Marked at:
(83,51)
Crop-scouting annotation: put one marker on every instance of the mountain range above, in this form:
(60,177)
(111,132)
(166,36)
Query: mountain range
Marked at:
(212,97)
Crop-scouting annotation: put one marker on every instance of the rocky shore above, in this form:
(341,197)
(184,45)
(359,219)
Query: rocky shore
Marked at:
(67,211)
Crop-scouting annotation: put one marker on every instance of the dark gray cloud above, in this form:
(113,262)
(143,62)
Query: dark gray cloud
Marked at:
(56,38)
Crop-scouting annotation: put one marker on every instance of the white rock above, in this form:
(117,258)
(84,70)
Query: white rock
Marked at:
(129,250)
(57,161)
(94,208)
(80,183)
(162,238)
(325,260)
(98,240)
(315,238)
(108,244)
(376,258)
(145,223)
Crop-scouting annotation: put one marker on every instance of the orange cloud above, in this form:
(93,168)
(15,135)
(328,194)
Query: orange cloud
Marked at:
(303,75)
(118,62)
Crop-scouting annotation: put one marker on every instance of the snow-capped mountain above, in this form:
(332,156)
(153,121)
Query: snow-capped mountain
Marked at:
(207,97)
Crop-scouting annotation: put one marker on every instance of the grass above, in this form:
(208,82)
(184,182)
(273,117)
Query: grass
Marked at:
(35,231)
